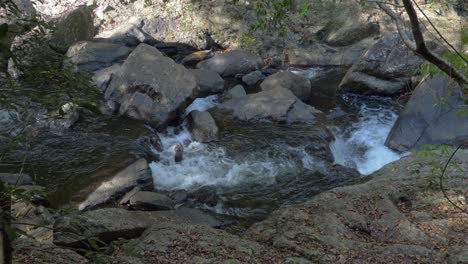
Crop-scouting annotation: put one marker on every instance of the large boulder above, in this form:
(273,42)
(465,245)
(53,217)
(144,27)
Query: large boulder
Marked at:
(151,87)
(26,250)
(390,218)
(278,105)
(299,85)
(232,63)
(137,174)
(128,34)
(385,69)
(235,92)
(103,77)
(350,31)
(431,116)
(209,81)
(318,54)
(72,27)
(203,126)
(90,56)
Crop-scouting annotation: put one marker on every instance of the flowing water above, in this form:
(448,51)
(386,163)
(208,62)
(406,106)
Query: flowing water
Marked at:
(255,168)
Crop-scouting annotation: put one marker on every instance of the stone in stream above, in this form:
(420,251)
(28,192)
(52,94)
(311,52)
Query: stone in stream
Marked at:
(431,116)
(235,92)
(232,63)
(385,69)
(299,85)
(150,201)
(136,174)
(278,105)
(151,87)
(253,78)
(103,77)
(209,81)
(202,126)
(88,56)
(178,152)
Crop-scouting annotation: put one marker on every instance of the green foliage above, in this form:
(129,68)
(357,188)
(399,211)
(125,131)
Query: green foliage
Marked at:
(452,58)
(247,42)
(428,156)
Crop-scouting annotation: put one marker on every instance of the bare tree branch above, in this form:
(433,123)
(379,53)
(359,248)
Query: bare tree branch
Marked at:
(419,45)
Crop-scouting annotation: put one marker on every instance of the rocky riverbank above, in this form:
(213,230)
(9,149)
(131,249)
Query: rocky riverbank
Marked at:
(179,120)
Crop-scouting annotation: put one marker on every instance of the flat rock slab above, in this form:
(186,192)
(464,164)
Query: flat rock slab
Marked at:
(150,201)
(134,175)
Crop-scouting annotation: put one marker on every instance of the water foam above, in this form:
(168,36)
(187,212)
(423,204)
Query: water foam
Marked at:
(362,146)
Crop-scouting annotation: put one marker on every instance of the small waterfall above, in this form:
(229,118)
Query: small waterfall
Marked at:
(362,145)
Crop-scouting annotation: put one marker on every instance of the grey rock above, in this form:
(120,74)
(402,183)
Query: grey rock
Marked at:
(16,178)
(103,77)
(137,174)
(81,21)
(10,122)
(150,201)
(209,81)
(178,152)
(232,63)
(203,127)
(126,198)
(68,115)
(431,116)
(319,54)
(106,224)
(253,78)
(299,85)
(129,34)
(351,31)
(385,69)
(90,56)
(151,87)
(278,104)
(237,91)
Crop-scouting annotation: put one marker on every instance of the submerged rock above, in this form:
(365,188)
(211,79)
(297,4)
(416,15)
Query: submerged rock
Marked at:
(178,152)
(231,63)
(299,85)
(151,87)
(385,69)
(431,116)
(16,178)
(278,104)
(203,126)
(137,174)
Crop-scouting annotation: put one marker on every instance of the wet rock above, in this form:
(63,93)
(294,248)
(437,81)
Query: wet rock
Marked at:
(253,78)
(150,201)
(278,104)
(151,87)
(137,174)
(202,126)
(26,250)
(385,69)
(90,56)
(81,21)
(68,115)
(299,85)
(16,178)
(103,77)
(153,141)
(178,152)
(196,57)
(106,224)
(237,91)
(431,116)
(232,63)
(209,81)
(179,196)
